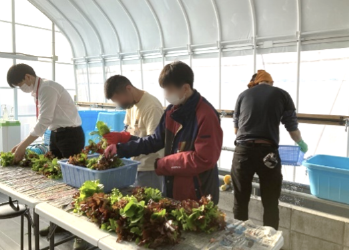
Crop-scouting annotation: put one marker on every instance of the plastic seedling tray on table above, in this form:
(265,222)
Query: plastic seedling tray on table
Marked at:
(111,178)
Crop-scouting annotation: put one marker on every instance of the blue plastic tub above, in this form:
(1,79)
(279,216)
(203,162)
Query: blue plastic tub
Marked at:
(329,177)
(112,178)
(114,120)
(89,119)
(291,155)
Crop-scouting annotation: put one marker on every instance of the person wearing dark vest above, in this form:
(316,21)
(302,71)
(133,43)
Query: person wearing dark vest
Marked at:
(191,135)
(257,116)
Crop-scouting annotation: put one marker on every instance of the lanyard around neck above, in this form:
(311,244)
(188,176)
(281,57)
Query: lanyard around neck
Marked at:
(37,99)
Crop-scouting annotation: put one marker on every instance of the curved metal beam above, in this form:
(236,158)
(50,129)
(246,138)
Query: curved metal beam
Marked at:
(133,24)
(254,34)
(110,23)
(70,23)
(219,38)
(51,18)
(91,24)
(157,23)
(180,3)
(298,34)
(219,27)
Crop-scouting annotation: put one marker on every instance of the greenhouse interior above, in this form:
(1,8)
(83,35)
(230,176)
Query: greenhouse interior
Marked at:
(174,124)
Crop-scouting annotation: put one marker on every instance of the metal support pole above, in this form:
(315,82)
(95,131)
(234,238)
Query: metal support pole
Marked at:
(15,91)
(104,76)
(88,81)
(347,130)
(76,84)
(120,65)
(254,34)
(348,143)
(298,33)
(220,78)
(141,65)
(53,52)
(36,231)
(52,238)
(163,65)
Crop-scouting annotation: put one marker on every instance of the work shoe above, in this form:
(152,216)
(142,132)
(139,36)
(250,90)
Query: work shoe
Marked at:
(44,232)
(80,244)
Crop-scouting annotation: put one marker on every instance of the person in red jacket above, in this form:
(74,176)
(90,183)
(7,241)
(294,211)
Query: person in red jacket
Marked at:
(190,133)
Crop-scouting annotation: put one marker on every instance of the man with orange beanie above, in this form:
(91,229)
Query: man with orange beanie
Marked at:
(257,116)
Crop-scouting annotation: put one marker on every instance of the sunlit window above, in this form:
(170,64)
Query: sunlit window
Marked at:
(206,74)
(236,74)
(111,69)
(96,82)
(151,72)
(132,70)
(324,82)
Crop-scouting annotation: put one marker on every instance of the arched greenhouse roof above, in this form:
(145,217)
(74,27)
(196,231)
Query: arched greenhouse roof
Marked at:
(141,28)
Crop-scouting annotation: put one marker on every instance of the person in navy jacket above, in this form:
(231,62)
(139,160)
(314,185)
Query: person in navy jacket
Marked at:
(190,133)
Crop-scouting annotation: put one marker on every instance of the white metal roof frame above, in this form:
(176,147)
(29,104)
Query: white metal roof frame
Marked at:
(136,28)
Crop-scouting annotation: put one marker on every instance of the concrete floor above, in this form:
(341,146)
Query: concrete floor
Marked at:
(10,234)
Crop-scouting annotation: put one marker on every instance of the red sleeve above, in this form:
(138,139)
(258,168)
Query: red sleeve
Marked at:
(207,149)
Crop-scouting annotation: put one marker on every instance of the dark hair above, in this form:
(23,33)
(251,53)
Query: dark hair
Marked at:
(16,74)
(253,77)
(115,85)
(177,74)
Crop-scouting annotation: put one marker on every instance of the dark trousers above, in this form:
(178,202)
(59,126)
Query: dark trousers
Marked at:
(67,142)
(247,161)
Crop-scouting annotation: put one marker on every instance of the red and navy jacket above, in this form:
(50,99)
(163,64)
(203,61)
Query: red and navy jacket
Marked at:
(192,137)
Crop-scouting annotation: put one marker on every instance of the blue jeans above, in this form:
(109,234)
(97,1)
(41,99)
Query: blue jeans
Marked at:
(150,179)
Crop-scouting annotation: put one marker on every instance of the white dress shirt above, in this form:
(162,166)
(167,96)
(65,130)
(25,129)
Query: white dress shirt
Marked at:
(56,107)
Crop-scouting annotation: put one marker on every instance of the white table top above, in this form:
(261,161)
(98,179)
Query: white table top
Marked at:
(72,223)
(109,243)
(198,242)
(22,198)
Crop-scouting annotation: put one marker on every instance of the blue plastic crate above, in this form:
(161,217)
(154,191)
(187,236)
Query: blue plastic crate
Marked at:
(329,177)
(291,155)
(114,120)
(111,178)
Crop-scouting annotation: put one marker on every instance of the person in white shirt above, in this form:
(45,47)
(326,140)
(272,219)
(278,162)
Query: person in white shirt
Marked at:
(143,114)
(55,110)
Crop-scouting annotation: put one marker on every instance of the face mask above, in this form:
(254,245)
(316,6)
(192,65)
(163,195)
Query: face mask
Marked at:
(174,99)
(27,89)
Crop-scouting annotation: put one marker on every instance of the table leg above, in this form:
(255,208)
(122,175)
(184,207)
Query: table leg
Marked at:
(36,231)
(52,238)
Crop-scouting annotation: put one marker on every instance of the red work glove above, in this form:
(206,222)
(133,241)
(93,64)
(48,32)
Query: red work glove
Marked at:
(117,137)
(111,150)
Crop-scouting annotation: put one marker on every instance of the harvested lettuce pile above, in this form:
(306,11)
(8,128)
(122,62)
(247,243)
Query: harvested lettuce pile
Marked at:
(47,165)
(6,159)
(145,216)
(44,164)
(100,163)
